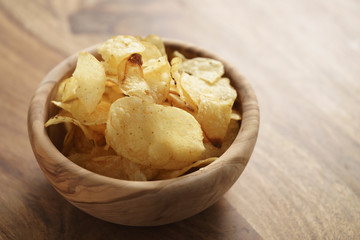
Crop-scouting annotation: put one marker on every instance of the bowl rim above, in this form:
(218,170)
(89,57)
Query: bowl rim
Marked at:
(248,132)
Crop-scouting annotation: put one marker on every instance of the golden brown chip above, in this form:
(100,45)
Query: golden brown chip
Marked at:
(214,117)
(150,52)
(157,76)
(116,49)
(177,77)
(112,92)
(207,69)
(213,103)
(60,90)
(62,119)
(235,114)
(212,151)
(134,83)
(176,101)
(157,41)
(78,111)
(70,87)
(90,76)
(153,135)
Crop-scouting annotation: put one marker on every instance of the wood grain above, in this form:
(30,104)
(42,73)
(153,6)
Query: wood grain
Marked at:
(301,57)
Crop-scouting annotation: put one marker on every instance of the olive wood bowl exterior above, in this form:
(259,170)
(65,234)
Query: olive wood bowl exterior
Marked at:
(136,203)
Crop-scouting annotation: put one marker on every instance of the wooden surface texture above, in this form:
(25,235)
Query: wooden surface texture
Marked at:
(303,61)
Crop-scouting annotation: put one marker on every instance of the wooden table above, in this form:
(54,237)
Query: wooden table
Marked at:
(303,60)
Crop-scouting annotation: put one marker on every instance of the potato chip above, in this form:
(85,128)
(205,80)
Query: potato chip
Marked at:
(116,49)
(173,89)
(179,55)
(214,117)
(157,41)
(112,92)
(157,75)
(112,78)
(100,129)
(176,101)
(185,85)
(78,111)
(90,77)
(70,87)
(62,119)
(134,83)
(213,102)
(153,135)
(80,143)
(197,88)
(235,114)
(224,90)
(60,90)
(151,52)
(175,64)
(212,151)
(207,69)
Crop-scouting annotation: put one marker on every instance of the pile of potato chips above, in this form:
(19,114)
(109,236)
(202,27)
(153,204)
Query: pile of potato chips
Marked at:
(136,115)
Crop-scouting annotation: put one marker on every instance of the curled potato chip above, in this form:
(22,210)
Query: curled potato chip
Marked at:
(235,114)
(179,55)
(116,49)
(150,52)
(70,87)
(78,111)
(157,75)
(213,103)
(212,151)
(157,41)
(63,119)
(112,92)
(90,76)
(207,69)
(176,101)
(111,78)
(60,90)
(214,117)
(175,64)
(153,135)
(190,96)
(100,129)
(134,83)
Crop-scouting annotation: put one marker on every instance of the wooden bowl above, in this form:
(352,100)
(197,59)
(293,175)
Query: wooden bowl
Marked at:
(137,203)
